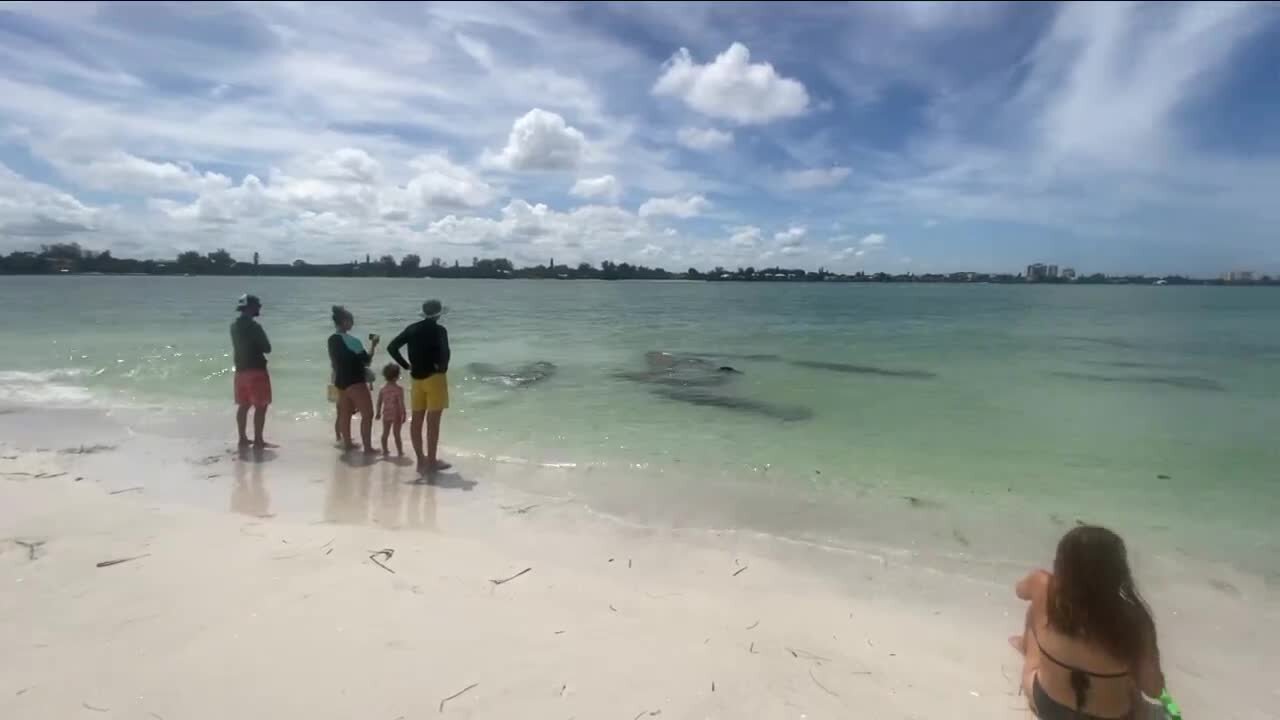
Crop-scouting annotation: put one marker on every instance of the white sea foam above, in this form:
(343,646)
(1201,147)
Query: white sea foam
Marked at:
(46,387)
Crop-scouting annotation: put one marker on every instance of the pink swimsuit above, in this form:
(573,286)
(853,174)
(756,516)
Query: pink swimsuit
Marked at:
(392,399)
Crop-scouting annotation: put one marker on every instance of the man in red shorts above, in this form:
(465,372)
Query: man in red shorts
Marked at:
(253,384)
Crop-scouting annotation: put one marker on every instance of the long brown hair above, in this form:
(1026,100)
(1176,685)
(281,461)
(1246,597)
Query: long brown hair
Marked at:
(1092,595)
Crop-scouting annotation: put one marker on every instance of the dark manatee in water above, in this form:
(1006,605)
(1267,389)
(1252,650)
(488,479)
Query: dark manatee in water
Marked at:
(1190,382)
(865,370)
(672,370)
(522,376)
(788,413)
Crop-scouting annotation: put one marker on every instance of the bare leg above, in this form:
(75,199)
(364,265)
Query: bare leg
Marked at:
(386,433)
(259,423)
(363,402)
(242,420)
(399,443)
(433,441)
(415,437)
(343,424)
(337,422)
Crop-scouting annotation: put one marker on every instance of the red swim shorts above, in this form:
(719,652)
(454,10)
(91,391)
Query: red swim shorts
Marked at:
(253,387)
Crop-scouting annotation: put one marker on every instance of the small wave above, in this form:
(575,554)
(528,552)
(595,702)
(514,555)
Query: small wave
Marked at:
(40,376)
(44,387)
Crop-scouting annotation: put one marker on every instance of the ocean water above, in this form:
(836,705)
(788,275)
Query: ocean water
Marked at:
(958,423)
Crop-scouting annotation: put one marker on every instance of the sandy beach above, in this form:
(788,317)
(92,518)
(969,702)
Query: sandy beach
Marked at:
(146,574)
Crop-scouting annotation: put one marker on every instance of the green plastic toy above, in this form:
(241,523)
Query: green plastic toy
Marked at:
(1171,709)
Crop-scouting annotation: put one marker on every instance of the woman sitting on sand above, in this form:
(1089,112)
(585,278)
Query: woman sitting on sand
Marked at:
(350,363)
(1090,640)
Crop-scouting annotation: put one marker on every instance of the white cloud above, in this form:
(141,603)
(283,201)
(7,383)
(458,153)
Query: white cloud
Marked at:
(704,139)
(541,140)
(605,187)
(732,87)
(441,183)
(792,236)
(682,207)
(815,178)
(746,236)
(346,165)
(31,211)
(529,231)
(347,185)
(119,171)
(873,240)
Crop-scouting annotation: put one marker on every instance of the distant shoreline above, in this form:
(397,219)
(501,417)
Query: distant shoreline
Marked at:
(868,279)
(72,259)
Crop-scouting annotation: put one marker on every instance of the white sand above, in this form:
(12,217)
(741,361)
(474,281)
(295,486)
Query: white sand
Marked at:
(231,615)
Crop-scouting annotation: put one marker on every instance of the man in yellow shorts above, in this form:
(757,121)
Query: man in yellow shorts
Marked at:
(428,364)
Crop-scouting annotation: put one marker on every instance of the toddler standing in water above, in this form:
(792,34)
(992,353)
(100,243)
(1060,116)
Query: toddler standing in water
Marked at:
(391,407)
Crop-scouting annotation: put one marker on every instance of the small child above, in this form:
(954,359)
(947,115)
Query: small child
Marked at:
(391,407)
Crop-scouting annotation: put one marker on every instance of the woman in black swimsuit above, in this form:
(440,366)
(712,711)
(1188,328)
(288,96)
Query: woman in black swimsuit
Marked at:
(1090,641)
(350,363)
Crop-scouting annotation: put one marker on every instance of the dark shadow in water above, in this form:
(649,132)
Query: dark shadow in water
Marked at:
(447,481)
(1189,382)
(1109,342)
(707,378)
(865,370)
(762,357)
(787,413)
(1130,364)
(522,376)
(256,455)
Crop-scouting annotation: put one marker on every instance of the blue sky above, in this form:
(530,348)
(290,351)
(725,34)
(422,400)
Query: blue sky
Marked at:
(1112,137)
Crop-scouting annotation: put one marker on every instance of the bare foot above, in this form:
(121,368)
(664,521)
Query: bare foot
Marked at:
(369,450)
(260,444)
(440,465)
(349,446)
(244,442)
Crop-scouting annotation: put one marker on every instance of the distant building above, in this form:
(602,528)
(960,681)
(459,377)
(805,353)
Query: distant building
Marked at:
(1053,272)
(1240,276)
(1068,274)
(1037,272)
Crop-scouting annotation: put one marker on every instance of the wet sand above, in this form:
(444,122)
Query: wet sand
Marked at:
(302,583)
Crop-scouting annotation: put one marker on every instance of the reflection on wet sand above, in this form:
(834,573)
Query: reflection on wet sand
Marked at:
(1189,382)
(249,493)
(382,493)
(347,499)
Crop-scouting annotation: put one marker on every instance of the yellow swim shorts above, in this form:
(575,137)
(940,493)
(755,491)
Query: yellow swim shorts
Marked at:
(430,393)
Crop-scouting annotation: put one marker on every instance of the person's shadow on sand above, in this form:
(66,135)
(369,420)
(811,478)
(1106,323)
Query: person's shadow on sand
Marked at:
(446,481)
(358,459)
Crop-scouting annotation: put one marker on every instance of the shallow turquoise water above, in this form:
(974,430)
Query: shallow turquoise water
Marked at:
(1006,411)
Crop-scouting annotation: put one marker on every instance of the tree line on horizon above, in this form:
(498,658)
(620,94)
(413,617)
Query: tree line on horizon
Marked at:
(62,258)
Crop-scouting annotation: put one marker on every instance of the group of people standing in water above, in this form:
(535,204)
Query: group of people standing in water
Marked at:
(427,345)
(1089,642)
